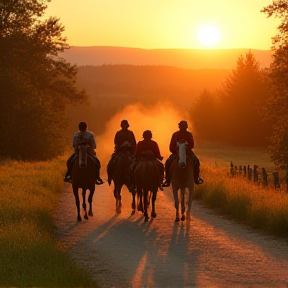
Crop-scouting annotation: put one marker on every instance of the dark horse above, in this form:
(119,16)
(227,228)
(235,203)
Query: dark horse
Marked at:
(84,177)
(147,176)
(182,178)
(120,174)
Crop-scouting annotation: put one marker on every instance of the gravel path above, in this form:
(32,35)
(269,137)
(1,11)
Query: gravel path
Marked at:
(209,251)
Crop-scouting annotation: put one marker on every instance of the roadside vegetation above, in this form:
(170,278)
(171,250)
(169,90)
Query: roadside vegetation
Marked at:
(30,254)
(257,206)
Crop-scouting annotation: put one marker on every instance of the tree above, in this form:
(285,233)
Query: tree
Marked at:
(277,108)
(35,83)
(205,116)
(244,92)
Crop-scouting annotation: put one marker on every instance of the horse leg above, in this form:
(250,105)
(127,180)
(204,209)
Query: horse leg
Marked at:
(183,204)
(139,200)
(176,204)
(133,203)
(117,195)
(77,201)
(84,203)
(145,205)
(90,198)
(154,195)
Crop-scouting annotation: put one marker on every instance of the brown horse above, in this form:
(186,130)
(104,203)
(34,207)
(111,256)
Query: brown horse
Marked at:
(84,177)
(182,179)
(120,176)
(147,177)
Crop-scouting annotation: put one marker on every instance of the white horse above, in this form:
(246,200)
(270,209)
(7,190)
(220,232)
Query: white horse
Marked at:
(182,179)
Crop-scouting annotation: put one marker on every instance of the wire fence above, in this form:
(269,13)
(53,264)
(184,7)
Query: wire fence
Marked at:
(260,176)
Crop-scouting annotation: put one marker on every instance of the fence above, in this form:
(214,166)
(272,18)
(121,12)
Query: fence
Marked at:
(263,177)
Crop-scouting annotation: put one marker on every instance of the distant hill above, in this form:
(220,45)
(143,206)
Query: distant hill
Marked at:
(182,58)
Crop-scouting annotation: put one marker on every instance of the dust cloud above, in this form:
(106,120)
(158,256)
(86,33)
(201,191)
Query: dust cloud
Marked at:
(162,119)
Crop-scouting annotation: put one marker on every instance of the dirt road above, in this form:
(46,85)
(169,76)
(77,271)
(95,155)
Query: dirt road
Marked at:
(210,251)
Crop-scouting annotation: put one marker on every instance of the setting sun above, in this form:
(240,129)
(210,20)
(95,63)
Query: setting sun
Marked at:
(209,35)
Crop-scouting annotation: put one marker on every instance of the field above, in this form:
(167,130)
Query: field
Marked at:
(30,253)
(253,204)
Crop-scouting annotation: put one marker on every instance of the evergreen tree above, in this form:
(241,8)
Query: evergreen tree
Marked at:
(244,93)
(277,109)
(205,116)
(35,83)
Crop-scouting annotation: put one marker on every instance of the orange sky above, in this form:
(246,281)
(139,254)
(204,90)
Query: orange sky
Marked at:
(154,24)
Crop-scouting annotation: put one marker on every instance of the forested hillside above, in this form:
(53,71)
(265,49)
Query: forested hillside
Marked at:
(112,87)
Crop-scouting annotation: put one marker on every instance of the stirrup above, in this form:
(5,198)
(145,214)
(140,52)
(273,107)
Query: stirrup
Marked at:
(99,181)
(68,179)
(199,181)
(166,184)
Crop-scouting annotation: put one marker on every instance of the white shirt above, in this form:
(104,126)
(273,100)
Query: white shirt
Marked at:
(87,135)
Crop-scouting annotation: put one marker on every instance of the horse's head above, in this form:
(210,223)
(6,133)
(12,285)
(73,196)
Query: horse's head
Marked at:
(83,155)
(182,153)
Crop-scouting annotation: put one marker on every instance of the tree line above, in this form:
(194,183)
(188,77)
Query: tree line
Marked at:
(37,86)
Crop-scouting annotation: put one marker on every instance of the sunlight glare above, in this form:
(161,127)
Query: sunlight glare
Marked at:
(209,35)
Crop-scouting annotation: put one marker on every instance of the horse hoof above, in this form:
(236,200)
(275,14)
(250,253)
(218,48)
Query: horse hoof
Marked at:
(183,218)
(177,219)
(153,215)
(133,212)
(79,219)
(146,219)
(90,213)
(86,217)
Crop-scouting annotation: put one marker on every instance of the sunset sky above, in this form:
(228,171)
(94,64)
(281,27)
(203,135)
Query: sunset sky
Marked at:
(152,24)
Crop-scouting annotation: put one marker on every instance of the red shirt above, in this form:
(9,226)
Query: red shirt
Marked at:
(147,144)
(179,135)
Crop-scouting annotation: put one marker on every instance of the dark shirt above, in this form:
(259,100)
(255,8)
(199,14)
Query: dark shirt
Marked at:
(147,144)
(181,135)
(125,135)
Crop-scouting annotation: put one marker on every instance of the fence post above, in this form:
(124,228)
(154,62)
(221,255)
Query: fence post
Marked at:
(265,178)
(249,173)
(276,180)
(255,173)
(231,169)
(286,177)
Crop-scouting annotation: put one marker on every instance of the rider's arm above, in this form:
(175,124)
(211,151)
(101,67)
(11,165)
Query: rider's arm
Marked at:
(93,141)
(190,141)
(173,143)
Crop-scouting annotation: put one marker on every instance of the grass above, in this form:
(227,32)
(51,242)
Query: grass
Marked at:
(253,204)
(30,254)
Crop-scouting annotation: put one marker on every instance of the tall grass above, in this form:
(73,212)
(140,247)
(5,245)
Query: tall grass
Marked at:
(30,255)
(255,205)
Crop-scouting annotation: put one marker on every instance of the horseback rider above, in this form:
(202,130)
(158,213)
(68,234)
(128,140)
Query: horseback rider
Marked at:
(177,136)
(147,148)
(83,135)
(122,136)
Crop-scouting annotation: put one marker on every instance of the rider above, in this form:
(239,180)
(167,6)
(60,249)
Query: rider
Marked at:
(121,136)
(145,148)
(88,137)
(182,134)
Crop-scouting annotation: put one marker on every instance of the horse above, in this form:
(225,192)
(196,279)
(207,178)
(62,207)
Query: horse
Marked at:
(182,178)
(84,177)
(147,177)
(121,175)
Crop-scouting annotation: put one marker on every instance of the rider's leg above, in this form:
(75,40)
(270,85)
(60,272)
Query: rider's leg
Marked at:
(69,164)
(197,179)
(168,164)
(110,168)
(99,181)
(131,186)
